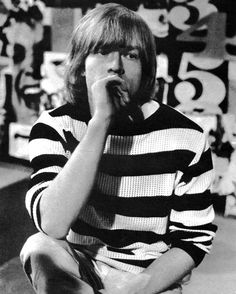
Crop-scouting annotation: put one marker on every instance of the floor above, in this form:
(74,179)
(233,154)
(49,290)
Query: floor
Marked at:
(12,172)
(216,275)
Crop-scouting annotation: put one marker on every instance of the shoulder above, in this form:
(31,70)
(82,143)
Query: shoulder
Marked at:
(180,132)
(61,119)
(58,112)
(173,118)
(67,109)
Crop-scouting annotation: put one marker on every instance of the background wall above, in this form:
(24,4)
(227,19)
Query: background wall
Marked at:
(196,54)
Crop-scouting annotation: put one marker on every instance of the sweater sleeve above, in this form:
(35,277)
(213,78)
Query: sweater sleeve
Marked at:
(48,155)
(192,214)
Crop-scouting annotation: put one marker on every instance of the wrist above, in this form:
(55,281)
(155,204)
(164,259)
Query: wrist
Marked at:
(138,284)
(100,122)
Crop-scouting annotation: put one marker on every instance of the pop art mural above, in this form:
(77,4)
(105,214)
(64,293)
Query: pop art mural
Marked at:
(197,59)
(21,36)
(22,49)
(196,55)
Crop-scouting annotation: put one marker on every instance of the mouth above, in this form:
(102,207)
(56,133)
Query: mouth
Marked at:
(31,95)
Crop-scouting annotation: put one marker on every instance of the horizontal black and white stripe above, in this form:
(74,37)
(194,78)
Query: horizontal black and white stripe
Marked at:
(152,190)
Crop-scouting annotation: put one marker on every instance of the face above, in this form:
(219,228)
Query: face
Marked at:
(124,62)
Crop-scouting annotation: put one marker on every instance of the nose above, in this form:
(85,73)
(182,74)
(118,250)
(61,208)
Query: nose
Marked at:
(115,63)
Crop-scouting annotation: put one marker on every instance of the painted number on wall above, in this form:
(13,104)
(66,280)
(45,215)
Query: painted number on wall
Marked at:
(202,75)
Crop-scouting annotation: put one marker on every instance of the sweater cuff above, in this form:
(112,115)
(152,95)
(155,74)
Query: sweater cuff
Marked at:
(196,253)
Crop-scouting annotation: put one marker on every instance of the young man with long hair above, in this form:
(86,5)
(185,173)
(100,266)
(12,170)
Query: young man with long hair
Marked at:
(120,190)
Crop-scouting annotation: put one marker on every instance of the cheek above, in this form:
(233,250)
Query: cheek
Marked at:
(91,70)
(134,74)
(88,73)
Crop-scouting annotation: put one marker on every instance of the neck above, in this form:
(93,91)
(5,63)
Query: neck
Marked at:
(149,108)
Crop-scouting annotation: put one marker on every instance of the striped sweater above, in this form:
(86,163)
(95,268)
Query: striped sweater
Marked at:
(152,191)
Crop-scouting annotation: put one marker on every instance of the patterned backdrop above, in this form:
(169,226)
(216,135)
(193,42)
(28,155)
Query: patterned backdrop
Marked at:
(196,55)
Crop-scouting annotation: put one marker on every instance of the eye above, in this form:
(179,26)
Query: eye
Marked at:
(102,51)
(132,55)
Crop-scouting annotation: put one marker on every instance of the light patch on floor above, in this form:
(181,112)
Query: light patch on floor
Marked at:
(217,273)
(11,173)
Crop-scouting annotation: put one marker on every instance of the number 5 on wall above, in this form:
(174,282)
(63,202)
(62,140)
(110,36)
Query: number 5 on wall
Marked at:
(213,90)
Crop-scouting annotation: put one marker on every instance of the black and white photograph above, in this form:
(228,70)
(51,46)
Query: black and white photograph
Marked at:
(117,147)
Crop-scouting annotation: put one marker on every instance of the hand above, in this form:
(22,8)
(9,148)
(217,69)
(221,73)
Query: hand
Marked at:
(108,95)
(131,284)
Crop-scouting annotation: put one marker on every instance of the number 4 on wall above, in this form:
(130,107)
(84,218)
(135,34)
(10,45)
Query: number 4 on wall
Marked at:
(215,38)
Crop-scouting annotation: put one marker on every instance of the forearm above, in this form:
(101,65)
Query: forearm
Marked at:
(63,199)
(170,268)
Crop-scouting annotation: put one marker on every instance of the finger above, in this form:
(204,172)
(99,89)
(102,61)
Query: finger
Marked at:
(120,95)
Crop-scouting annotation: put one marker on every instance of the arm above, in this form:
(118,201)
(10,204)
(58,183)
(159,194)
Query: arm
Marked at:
(191,229)
(160,275)
(170,268)
(63,197)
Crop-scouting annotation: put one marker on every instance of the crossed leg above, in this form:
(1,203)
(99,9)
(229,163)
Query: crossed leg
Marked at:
(52,267)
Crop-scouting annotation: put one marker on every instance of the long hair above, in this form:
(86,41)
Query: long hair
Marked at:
(110,26)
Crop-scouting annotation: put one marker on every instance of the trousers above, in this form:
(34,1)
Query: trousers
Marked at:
(54,267)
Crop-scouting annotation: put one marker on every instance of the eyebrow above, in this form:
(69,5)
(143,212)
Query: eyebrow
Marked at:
(132,47)
(112,47)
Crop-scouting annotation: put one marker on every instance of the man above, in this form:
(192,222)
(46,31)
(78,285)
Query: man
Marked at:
(120,188)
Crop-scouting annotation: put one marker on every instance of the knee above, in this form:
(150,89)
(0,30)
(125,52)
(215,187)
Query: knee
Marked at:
(42,245)
(36,244)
